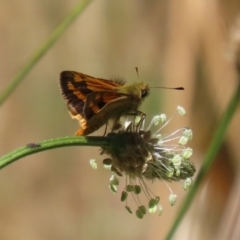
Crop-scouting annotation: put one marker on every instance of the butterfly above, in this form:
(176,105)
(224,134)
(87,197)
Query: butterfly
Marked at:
(94,101)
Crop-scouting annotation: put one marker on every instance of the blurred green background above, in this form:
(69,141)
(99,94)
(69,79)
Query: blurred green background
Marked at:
(56,194)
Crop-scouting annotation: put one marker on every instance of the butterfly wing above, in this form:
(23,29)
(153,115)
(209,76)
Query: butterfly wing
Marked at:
(112,110)
(86,95)
(97,101)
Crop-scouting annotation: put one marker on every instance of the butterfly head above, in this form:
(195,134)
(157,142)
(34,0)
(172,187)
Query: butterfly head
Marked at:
(138,91)
(144,90)
(141,90)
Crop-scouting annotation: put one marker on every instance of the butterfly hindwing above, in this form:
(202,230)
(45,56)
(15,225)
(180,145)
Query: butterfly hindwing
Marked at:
(112,110)
(96,101)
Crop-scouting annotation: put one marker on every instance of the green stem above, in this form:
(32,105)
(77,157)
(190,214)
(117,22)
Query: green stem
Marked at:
(209,159)
(43,49)
(33,148)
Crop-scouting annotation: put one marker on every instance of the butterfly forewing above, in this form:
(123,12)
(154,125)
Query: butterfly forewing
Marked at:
(77,87)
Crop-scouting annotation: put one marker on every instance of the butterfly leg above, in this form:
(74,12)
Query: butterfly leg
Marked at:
(141,122)
(116,124)
(105,131)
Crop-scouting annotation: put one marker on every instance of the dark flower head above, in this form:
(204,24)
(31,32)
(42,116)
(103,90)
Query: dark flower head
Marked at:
(140,154)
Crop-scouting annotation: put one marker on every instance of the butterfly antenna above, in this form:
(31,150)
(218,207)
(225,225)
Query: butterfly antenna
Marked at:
(177,88)
(136,68)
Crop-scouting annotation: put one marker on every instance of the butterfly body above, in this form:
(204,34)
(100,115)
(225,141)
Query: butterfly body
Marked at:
(94,101)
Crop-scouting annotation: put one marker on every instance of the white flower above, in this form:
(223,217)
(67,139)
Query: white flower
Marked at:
(172,199)
(181,110)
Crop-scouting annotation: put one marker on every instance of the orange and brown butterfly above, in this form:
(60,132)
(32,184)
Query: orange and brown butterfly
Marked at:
(94,101)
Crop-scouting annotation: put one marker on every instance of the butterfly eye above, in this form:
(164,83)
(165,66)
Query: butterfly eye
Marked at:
(144,92)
